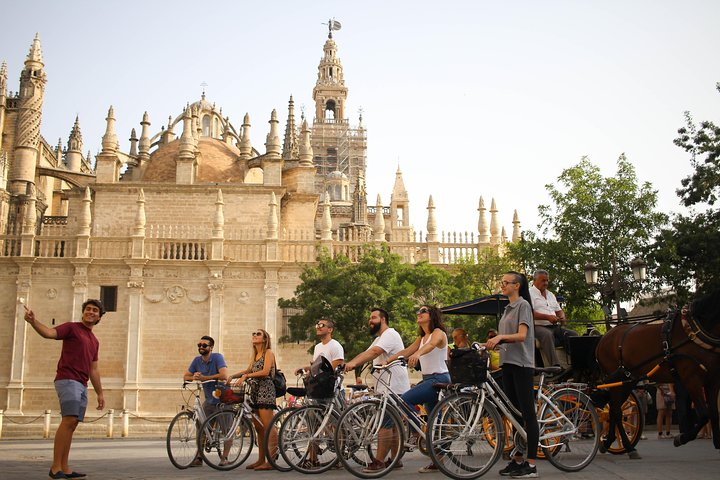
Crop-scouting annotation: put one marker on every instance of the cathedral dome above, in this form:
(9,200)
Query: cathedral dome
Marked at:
(217,163)
(337,175)
(203,105)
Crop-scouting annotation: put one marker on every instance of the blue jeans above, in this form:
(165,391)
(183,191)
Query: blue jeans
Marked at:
(424,393)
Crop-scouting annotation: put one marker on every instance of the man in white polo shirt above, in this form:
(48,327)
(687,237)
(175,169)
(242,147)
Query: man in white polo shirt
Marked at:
(548,317)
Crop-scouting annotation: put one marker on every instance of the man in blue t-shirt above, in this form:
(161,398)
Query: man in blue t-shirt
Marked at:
(207,366)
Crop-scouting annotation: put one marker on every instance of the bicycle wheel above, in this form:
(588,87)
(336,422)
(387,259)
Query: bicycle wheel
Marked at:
(274,457)
(364,432)
(227,439)
(181,440)
(306,439)
(569,430)
(633,422)
(465,439)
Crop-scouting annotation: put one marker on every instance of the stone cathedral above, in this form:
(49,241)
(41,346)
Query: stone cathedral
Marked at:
(198,228)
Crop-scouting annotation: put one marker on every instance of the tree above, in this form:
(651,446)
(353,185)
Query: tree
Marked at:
(345,292)
(688,253)
(473,278)
(606,220)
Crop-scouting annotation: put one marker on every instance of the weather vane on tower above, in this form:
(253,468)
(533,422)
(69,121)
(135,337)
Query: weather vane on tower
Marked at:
(332,25)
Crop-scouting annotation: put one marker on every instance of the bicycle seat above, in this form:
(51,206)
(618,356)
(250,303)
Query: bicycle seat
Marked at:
(360,386)
(549,370)
(296,391)
(441,386)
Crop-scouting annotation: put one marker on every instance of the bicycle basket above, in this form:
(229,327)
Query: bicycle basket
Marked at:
(321,385)
(321,381)
(468,366)
(229,395)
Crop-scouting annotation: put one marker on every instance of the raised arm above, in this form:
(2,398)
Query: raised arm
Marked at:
(43,330)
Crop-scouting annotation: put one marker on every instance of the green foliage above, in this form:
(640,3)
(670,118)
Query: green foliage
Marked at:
(702,142)
(345,292)
(688,253)
(606,220)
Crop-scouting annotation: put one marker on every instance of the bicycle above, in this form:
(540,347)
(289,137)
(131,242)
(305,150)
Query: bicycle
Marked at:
(181,438)
(467,433)
(306,437)
(228,435)
(294,401)
(366,425)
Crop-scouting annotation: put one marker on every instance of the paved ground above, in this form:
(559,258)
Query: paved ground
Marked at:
(146,459)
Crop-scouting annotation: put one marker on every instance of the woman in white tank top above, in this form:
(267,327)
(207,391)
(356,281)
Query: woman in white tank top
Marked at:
(429,352)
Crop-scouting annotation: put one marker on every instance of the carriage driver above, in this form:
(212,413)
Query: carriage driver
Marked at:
(548,318)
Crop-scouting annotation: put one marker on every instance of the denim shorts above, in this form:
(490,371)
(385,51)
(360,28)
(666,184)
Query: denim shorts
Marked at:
(73,397)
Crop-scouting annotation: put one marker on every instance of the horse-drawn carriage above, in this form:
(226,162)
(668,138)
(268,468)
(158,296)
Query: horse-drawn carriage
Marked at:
(680,348)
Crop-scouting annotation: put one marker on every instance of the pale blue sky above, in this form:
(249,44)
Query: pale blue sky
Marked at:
(472,98)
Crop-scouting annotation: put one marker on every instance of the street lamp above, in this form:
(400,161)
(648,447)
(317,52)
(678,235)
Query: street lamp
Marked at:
(638,267)
(612,289)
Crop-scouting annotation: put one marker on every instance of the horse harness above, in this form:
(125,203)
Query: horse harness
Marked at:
(694,333)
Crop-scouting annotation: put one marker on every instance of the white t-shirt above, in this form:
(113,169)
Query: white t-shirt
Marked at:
(390,343)
(547,305)
(331,351)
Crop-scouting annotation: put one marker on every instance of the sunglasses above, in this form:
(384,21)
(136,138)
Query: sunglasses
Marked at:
(203,345)
(423,310)
(320,325)
(258,334)
(505,283)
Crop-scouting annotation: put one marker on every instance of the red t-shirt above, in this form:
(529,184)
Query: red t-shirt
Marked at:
(79,350)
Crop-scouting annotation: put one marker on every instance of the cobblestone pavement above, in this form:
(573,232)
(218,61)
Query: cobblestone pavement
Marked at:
(147,459)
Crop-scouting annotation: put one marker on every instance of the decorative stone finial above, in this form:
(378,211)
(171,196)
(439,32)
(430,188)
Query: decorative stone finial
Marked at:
(272,143)
(379,227)
(109,140)
(326,226)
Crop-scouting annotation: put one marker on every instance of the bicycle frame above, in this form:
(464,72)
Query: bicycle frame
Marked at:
(388,396)
(492,392)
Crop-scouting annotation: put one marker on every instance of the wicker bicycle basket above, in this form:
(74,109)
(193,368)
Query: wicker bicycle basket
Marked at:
(468,366)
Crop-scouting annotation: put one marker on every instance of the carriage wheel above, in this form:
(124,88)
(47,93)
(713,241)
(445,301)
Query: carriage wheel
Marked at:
(633,422)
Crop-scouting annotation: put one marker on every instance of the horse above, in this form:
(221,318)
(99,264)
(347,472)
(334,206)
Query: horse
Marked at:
(684,348)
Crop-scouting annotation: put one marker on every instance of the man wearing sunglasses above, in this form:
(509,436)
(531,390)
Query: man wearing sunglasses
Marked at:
(328,346)
(207,366)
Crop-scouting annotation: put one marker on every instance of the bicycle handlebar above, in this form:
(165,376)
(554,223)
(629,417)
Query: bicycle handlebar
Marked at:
(399,361)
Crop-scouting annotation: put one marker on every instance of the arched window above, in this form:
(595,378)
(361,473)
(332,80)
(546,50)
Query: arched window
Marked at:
(330,109)
(206,126)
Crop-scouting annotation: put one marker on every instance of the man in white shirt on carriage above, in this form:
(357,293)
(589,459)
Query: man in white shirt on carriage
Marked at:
(548,318)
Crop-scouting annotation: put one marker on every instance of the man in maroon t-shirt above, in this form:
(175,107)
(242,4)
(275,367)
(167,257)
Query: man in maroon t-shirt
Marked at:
(78,363)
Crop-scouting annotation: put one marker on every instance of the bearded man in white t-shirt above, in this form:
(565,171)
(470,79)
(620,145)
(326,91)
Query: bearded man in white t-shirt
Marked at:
(387,343)
(328,346)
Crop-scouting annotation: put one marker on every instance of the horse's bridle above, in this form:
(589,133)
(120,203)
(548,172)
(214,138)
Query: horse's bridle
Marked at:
(694,332)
